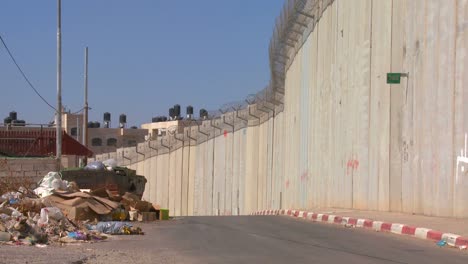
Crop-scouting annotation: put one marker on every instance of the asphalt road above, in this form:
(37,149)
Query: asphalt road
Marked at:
(249,239)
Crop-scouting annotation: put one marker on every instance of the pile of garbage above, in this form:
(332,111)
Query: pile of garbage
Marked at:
(57,212)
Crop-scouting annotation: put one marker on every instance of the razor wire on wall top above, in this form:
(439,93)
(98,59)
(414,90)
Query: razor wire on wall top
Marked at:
(295,23)
(292,27)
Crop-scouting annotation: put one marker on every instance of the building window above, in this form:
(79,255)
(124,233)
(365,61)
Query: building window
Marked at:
(74,131)
(112,142)
(96,142)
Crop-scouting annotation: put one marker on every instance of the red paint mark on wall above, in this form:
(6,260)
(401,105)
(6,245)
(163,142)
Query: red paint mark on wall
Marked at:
(225,133)
(287,183)
(352,165)
(305,176)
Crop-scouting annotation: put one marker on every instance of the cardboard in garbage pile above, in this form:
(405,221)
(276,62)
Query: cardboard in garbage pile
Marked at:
(105,193)
(80,205)
(146,216)
(131,200)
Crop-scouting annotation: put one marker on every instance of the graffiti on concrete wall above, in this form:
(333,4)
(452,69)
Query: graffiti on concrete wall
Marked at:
(304,176)
(352,165)
(462,160)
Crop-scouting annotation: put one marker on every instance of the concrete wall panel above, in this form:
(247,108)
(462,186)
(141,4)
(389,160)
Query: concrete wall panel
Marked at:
(460,180)
(251,167)
(344,137)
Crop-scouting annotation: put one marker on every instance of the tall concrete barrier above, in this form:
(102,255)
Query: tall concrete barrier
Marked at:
(329,131)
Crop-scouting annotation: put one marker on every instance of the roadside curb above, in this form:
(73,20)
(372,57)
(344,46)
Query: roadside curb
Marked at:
(395,228)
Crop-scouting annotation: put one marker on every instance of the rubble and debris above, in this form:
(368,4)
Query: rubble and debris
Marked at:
(56,212)
(115,228)
(134,202)
(80,205)
(52,181)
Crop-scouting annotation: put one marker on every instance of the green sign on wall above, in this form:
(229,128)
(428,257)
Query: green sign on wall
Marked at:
(393,78)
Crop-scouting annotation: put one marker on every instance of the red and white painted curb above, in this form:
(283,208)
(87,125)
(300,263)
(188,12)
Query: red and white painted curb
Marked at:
(401,229)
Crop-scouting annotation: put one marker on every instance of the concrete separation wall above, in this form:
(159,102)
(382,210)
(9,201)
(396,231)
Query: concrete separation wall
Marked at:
(373,145)
(329,131)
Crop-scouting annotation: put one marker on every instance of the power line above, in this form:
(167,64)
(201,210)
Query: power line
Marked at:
(79,111)
(24,75)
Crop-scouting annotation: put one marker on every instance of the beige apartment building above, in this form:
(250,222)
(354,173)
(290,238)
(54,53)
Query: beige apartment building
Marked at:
(102,139)
(158,129)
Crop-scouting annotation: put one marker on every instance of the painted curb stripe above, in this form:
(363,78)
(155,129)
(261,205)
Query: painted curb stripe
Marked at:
(450,238)
(386,227)
(360,222)
(319,217)
(368,223)
(419,232)
(408,230)
(434,235)
(462,241)
(397,228)
(338,219)
(377,225)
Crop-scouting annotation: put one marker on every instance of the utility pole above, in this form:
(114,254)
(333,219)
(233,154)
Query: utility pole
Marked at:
(85,117)
(59,83)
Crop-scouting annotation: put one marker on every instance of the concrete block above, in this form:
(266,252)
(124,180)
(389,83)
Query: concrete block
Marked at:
(14,167)
(27,167)
(18,174)
(38,167)
(41,173)
(50,167)
(30,174)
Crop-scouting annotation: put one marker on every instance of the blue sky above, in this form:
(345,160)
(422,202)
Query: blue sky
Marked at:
(144,56)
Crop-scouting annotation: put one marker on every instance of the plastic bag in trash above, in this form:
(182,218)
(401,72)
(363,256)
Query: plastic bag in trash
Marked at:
(95,165)
(110,164)
(49,178)
(78,235)
(12,197)
(14,212)
(52,181)
(112,227)
(49,212)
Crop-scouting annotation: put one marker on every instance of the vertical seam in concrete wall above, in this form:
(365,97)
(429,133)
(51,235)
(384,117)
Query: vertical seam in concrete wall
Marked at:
(182,176)
(169,178)
(212,173)
(315,86)
(454,110)
(188,173)
(369,103)
(272,158)
(390,114)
